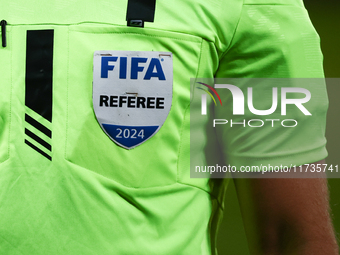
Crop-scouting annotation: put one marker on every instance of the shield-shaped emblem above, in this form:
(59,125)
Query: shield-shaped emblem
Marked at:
(132,94)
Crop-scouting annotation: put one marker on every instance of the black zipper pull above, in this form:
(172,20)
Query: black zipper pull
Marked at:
(3,24)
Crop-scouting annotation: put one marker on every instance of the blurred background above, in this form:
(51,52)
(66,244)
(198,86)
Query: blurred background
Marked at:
(325,15)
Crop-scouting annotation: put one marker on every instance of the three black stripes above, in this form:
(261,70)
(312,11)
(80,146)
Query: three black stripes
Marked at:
(38,85)
(39,70)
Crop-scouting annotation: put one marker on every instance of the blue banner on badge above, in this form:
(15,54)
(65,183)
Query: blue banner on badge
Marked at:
(132,94)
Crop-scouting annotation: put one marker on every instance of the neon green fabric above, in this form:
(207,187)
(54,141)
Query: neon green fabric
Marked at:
(285,47)
(95,197)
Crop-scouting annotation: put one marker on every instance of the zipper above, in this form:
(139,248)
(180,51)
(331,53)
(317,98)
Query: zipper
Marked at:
(3,24)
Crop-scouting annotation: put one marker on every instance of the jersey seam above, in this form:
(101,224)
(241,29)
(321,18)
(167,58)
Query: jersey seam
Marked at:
(209,193)
(182,128)
(188,106)
(122,26)
(67,92)
(180,147)
(130,33)
(117,26)
(10,106)
(234,34)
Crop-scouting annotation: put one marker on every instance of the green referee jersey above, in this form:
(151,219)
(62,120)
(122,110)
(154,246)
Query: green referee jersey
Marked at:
(66,187)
